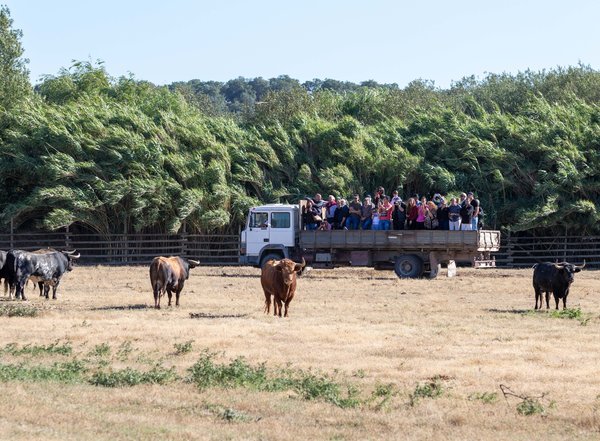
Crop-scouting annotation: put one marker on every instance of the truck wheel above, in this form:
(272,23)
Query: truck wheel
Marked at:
(270,256)
(408,266)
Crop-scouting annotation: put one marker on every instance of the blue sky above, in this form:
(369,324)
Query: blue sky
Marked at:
(387,41)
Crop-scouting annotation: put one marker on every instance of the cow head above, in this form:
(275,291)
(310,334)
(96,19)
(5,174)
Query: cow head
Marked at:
(188,264)
(569,270)
(288,269)
(71,257)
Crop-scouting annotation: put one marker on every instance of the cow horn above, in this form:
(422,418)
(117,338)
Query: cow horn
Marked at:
(581,266)
(69,252)
(194,262)
(75,256)
(300,266)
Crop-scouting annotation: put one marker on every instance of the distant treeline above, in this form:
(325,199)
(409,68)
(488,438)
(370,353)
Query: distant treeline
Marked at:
(120,154)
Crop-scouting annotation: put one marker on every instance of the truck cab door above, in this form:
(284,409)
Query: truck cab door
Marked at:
(257,234)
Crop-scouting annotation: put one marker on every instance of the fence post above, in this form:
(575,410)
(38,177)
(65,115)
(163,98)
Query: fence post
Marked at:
(67,238)
(509,251)
(184,239)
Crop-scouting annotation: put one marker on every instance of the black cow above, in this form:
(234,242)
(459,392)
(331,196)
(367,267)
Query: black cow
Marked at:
(5,272)
(553,278)
(47,268)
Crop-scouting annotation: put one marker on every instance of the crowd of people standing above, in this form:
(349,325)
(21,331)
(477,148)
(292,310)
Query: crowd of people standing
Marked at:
(383,212)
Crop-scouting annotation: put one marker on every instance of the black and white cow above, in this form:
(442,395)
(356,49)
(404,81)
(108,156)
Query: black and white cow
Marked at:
(553,278)
(46,269)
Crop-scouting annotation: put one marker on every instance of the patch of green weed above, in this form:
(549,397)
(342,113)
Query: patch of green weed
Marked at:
(18,311)
(51,349)
(431,389)
(68,372)
(133,377)
(183,348)
(485,397)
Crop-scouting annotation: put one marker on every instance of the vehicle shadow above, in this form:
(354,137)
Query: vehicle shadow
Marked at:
(206,315)
(120,307)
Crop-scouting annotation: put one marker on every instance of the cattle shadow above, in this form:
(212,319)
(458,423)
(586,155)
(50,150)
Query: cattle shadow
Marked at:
(512,311)
(207,315)
(120,307)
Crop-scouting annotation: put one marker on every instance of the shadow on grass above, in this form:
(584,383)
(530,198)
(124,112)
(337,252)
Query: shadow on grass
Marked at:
(512,311)
(120,307)
(205,315)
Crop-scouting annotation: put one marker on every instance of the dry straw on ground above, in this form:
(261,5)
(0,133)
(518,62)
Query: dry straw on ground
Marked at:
(426,358)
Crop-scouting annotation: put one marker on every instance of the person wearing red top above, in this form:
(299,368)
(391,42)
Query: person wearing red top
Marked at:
(385,213)
(412,212)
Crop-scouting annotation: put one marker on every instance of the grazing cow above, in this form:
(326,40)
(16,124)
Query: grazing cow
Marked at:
(553,278)
(278,279)
(169,274)
(47,268)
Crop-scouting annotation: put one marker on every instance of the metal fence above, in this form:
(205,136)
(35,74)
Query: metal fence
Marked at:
(224,249)
(120,249)
(516,252)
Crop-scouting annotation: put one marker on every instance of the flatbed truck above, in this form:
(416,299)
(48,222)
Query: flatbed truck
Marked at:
(275,231)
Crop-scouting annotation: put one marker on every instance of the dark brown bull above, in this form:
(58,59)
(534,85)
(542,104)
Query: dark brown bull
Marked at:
(169,274)
(278,279)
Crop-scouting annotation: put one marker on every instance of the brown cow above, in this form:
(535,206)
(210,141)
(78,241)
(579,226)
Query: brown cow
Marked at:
(278,279)
(169,274)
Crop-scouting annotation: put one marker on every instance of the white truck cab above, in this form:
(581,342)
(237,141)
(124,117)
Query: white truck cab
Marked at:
(271,230)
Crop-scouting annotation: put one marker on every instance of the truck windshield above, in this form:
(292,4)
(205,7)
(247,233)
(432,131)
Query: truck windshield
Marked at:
(259,220)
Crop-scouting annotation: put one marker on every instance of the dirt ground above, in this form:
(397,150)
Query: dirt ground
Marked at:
(426,358)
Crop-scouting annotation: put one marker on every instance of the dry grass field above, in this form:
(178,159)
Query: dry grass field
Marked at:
(363,355)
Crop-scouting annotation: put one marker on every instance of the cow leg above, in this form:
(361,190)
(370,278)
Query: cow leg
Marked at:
(267,302)
(286,308)
(170,294)
(565,299)
(538,294)
(41,286)
(54,288)
(177,295)
(47,291)
(21,289)
(277,307)
(547,300)
(557,300)
(156,292)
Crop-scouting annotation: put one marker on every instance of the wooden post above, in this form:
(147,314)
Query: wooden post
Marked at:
(184,239)
(67,238)
(125,245)
(565,246)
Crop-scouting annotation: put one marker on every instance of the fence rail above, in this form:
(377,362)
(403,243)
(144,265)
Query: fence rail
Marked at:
(122,249)
(224,249)
(518,252)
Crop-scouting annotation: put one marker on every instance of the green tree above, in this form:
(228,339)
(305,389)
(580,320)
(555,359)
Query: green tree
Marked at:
(14,83)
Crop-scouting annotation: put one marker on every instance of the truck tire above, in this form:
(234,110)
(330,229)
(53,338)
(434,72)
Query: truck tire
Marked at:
(408,266)
(269,256)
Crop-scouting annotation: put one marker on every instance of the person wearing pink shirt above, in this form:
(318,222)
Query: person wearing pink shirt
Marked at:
(385,213)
